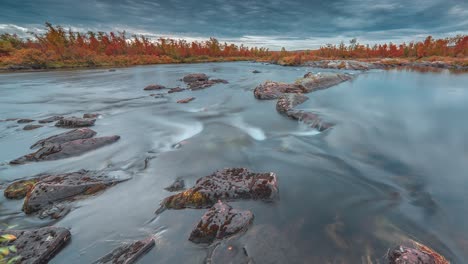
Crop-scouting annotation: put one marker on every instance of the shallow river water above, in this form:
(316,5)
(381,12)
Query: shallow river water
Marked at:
(394,166)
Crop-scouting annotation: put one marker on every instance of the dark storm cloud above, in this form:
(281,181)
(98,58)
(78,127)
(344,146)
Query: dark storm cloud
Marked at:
(274,23)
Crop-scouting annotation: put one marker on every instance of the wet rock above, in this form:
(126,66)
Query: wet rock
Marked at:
(176,90)
(178,185)
(195,77)
(272,90)
(227,185)
(152,87)
(186,100)
(158,95)
(31,127)
(415,254)
(256,71)
(49,192)
(24,121)
(75,122)
(344,65)
(197,85)
(111,70)
(91,115)
(19,189)
(127,254)
(219,222)
(310,119)
(80,133)
(39,245)
(50,119)
(9,119)
(313,82)
(66,150)
(287,102)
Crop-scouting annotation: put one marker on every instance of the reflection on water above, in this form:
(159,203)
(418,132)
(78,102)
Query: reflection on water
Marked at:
(394,166)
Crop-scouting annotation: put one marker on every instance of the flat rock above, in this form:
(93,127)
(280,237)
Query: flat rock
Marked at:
(52,189)
(31,127)
(194,77)
(39,245)
(177,185)
(50,119)
(127,254)
(176,90)
(185,100)
(219,222)
(91,115)
(344,65)
(287,102)
(272,90)
(75,122)
(227,185)
(66,150)
(313,82)
(152,87)
(415,254)
(24,121)
(80,133)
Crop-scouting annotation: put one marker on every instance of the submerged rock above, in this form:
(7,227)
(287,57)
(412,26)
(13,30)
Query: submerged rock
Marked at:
(176,90)
(80,133)
(310,119)
(313,82)
(50,119)
(415,254)
(272,90)
(75,122)
(185,100)
(66,150)
(23,121)
(38,245)
(152,87)
(127,254)
(194,77)
(91,115)
(51,190)
(256,71)
(228,185)
(31,127)
(288,101)
(219,222)
(178,185)
(197,81)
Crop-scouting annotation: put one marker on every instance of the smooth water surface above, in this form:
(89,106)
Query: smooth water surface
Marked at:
(394,166)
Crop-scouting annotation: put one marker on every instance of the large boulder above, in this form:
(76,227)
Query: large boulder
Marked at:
(288,101)
(219,222)
(313,82)
(272,90)
(80,133)
(50,190)
(416,253)
(38,245)
(75,122)
(66,150)
(128,253)
(227,185)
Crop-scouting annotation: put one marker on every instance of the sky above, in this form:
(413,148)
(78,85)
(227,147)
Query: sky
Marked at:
(293,24)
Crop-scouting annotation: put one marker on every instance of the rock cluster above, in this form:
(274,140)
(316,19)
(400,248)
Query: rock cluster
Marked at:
(197,81)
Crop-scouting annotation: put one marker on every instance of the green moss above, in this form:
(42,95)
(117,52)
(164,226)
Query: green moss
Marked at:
(19,189)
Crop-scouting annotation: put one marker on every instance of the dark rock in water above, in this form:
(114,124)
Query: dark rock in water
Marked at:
(310,119)
(415,254)
(112,70)
(66,150)
(313,82)
(272,90)
(287,102)
(158,95)
(75,122)
(178,185)
(197,85)
(50,119)
(152,87)
(219,222)
(127,254)
(194,77)
(228,185)
(186,100)
(80,133)
(176,90)
(24,121)
(91,115)
(10,119)
(31,127)
(52,189)
(19,189)
(256,71)
(38,245)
